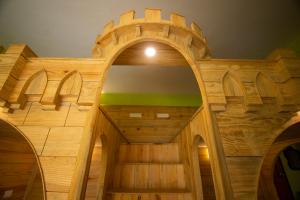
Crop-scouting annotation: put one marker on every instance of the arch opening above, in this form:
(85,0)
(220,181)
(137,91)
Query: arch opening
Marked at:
(139,98)
(278,179)
(97,169)
(202,167)
(20,172)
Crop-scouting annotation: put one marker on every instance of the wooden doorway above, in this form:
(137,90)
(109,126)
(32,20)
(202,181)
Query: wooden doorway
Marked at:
(273,182)
(20,173)
(203,165)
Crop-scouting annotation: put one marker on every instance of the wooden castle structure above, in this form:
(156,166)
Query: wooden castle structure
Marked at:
(56,142)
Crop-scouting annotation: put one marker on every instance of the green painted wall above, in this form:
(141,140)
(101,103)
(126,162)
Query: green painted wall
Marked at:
(150,99)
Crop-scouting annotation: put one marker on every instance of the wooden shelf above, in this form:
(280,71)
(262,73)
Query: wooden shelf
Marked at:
(148,191)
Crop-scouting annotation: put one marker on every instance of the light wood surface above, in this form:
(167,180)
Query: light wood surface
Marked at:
(19,171)
(165,56)
(247,104)
(149,128)
(149,169)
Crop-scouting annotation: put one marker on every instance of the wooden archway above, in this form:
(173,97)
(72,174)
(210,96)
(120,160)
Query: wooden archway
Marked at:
(189,42)
(286,136)
(21,174)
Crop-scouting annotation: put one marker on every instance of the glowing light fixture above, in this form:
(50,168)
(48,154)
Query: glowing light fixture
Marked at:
(150,52)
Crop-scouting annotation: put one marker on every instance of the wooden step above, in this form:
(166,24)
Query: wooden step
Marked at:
(118,194)
(149,153)
(148,191)
(149,163)
(149,175)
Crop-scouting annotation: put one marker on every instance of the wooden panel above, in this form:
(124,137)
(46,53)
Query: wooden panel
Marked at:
(165,56)
(149,153)
(18,164)
(88,92)
(57,196)
(243,173)
(76,117)
(154,196)
(149,128)
(37,136)
(63,141)
(232,87)
(94,174)
(58,172)
(149,169)
(152,15)
(177,20)
(37,84)
(71,86)
(104,157)
(37,116)
(17,117)
(245,134)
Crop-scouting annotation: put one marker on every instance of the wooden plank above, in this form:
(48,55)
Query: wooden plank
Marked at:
(165,56)
(39,117)
(127,17)
(17,117)
(37,136)
(58,172)
(152,15)
(57,195)
(63,141)
(149,127)
(76,117)
(243,174)
(177,20)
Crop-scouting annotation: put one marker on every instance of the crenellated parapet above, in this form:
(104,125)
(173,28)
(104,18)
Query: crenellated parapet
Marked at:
(152,27)
(49,81)
(252,83)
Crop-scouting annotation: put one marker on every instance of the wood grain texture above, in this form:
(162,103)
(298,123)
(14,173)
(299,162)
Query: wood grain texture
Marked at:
(37,135)
(149,128)
(246,103)
(37,116)
(149,169)
(63,141)
(165,56)
(106,144)
(18,165)
(58,172)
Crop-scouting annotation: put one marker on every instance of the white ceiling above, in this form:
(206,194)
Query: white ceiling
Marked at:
(234,29)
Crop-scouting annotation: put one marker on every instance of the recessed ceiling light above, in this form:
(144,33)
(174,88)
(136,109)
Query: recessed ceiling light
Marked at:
(150,52)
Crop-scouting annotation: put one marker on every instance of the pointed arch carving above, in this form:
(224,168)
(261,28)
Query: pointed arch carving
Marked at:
(36,84)
(34,87)
(265,86)
(232,86)
(71,85)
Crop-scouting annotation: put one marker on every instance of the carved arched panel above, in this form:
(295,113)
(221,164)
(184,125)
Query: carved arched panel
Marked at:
(37,83)
(71,86)
(231,86)
(265,86)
